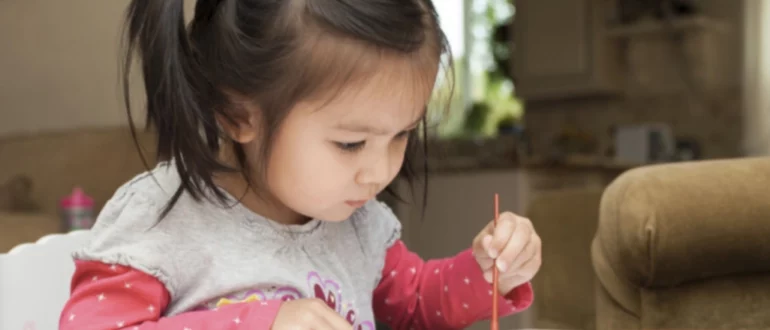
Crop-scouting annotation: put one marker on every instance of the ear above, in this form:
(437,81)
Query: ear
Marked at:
(241,129)
(243,125)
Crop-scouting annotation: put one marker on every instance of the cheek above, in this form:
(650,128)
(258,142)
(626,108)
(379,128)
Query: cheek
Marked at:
(293,154)
(301,155)
(288,161)
(397,153)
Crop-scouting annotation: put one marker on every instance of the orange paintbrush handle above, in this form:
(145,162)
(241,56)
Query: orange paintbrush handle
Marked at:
(494,325)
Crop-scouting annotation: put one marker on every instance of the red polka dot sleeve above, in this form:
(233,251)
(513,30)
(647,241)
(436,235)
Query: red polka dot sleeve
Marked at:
(115,297)
(438,294)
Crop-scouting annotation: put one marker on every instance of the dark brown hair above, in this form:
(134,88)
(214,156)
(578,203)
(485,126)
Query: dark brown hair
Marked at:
(273,52)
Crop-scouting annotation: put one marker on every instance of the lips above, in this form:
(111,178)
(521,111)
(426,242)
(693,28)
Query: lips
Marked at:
(356,203)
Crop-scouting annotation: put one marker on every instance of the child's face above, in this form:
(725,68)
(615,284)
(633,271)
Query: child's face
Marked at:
(329,158)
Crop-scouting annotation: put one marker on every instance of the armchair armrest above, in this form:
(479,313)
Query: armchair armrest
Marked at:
(664,225)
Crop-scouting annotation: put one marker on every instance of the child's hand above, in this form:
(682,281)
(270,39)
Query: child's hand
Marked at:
(306,314)
(516,246)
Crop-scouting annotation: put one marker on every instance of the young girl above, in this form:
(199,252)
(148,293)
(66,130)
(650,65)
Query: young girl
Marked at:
(278,123)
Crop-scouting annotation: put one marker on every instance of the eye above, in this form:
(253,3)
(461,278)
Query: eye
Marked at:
(404,134)
(350,146)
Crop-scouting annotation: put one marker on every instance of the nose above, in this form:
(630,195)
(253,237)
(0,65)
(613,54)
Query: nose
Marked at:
(376,174)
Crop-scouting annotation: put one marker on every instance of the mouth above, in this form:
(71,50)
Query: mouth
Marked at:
(357,203)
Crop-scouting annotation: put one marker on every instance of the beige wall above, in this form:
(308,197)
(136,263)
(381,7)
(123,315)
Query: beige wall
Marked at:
(59,64)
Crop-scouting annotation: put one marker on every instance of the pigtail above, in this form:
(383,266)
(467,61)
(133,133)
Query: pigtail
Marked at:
(174,87)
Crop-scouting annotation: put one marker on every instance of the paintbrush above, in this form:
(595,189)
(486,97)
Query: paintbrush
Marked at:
(494,325)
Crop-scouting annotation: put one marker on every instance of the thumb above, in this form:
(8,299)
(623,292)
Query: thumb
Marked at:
(481,252)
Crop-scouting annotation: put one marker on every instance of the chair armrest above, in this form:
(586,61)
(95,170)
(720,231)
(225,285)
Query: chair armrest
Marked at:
(667,224)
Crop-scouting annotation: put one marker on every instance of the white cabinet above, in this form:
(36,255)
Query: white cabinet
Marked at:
(560,49)
(678,56)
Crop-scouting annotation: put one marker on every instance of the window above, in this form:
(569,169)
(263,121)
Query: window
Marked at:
(484,94)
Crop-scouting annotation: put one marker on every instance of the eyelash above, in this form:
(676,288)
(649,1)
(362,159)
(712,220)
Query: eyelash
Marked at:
(357,146)
(350,146)
(403,134)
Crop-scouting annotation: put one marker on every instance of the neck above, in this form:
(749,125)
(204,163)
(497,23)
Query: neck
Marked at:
(263,203)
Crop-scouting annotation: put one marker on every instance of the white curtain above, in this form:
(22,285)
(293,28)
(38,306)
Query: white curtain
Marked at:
(756,78)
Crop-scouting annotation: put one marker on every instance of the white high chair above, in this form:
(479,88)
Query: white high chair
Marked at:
(35,281)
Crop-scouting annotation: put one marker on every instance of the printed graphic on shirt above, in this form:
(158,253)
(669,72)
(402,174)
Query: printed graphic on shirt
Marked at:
(326,290)
(285,294)
(329,291)
(272,293)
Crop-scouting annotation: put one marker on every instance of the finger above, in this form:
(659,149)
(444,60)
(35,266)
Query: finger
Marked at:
(523,274)
(515,245)
(340,323)
(488,276)
(321,317)
(320,323)
(531,250)
(327,322)
(480,252)
(334,320)
(315,318)
(478,241)
(506,225)
(530,268)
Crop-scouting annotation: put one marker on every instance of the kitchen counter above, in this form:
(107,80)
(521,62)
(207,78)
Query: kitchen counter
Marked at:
(504,153)
(461,155)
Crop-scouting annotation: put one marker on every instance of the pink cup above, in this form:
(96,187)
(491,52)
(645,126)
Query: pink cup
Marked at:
(77,210)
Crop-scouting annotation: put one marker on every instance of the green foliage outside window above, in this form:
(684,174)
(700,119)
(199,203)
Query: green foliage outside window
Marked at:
(490,100)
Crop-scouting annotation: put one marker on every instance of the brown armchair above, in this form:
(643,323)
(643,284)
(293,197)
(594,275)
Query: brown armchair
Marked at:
(685,246)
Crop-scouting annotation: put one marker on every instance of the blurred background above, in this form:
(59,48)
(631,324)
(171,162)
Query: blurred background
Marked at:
(554,99)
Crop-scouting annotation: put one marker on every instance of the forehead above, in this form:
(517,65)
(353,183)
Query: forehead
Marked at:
(392,98)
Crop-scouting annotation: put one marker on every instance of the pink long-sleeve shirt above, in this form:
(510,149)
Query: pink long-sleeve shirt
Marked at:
(413,294)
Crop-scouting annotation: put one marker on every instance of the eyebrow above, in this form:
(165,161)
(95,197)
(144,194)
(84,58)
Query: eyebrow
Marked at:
(365,128)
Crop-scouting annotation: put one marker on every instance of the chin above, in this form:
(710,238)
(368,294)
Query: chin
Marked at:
(337,215)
